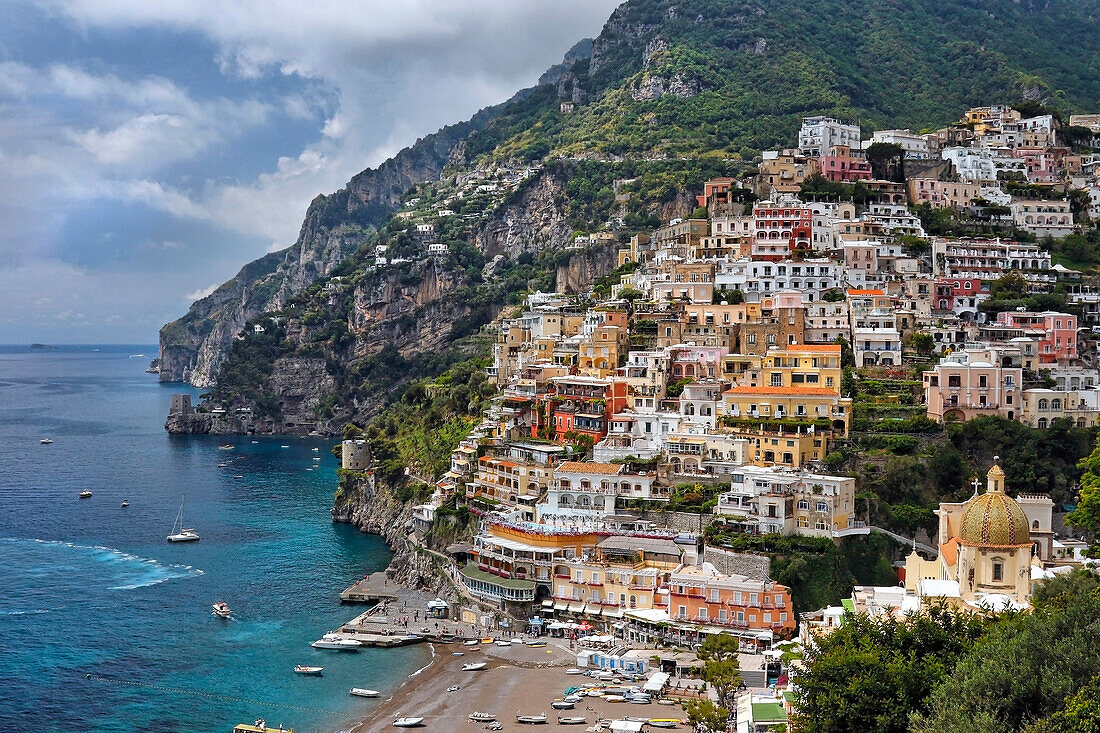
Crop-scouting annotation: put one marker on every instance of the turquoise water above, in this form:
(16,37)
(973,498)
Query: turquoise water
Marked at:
(87,587)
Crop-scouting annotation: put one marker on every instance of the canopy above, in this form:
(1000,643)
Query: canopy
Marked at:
(537,621)
(627,726)
(656,683)
(585,626)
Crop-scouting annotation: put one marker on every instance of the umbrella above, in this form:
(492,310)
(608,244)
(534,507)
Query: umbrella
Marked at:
(585,626)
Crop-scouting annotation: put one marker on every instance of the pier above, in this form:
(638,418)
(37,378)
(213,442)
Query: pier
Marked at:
(371,589)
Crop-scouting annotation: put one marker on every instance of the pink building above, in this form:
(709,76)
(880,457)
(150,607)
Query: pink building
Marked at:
(974,382)
(841,165)
(1056,332)
(941,194)
(780,227)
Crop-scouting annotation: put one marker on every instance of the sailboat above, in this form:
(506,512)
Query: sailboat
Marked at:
(181,533)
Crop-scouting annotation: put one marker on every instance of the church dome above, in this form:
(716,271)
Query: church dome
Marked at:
(994,519)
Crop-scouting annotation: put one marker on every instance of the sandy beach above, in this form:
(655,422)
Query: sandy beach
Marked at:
(517,679)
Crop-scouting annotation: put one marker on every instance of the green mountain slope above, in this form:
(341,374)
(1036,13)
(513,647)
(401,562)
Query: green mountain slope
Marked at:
(696,77)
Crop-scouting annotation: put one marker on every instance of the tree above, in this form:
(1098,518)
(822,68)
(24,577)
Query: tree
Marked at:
(923,343)
(1080,715)
(720,666)
(704,715)
(1087,513)
(872,673)
(1012,286)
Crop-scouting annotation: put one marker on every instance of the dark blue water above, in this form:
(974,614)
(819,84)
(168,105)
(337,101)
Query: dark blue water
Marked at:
(87,587)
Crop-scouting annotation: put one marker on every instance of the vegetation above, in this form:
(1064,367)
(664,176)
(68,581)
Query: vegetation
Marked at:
(721,669)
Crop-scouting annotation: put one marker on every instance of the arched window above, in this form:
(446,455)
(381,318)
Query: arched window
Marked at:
(1044,405)
(1056,404)
(803,505)
(1042,423)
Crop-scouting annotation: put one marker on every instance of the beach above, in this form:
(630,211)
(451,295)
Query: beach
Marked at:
(517,679)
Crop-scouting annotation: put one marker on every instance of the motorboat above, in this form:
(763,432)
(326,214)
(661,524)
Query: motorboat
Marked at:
(221,609)
(85,494)
(284,446)
(227,446)
(458,654)
(407,722)
(316,449)
(223,464)
(306,669)
(316,458)
(363,692)
(335,641)
(125,503)
(46,441)
(179,532)
(639,699)
(254,442)
(562,704)
(571,720)
(573,698)
(481,717)
(535,719)
(474,666)
(665,701)
(614,698)
(663,722)
(502,642)
(574,670)
(453,688)
(471,642)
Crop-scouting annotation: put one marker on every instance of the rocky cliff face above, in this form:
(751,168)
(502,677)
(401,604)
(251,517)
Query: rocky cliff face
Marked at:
(533,221)
(578,274)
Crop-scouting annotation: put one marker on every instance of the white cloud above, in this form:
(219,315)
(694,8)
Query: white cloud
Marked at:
(200,293)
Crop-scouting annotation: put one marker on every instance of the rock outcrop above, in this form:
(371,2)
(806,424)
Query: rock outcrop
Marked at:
(534,220)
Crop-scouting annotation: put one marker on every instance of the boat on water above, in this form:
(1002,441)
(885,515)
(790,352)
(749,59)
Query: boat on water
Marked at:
(533,719)
(227,446)
(481,717)
(179,532)
(260,726)
(571,720)
(335,641)
(562,704)
(254,442)
(284,446)
(316,449)
(363,692)
(45,441)
(407,722)
(125,503)
(221,609)
(85,494)
(317,458)
(306,669)
(474,666)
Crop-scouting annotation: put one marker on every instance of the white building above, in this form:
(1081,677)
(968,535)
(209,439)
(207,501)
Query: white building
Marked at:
(818,134)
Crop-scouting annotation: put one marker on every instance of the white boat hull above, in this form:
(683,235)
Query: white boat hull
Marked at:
(407,722)
(363,692)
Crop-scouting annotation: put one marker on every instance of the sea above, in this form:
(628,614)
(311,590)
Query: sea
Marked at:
(105,626)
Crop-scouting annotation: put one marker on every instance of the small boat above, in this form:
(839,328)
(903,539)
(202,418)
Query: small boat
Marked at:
(567,720)
(573,698)
(363,692)
(284,446)
(407,722)
(314,450)
(227,446)
(260,726)
(663,722)
(486,641)
(665,701)
(457,654)
(316,458)
(614,698)
(306,669)
(562,704)
(534,719)
(482,717)
(179,532)
(502,642)
(46,441)
(221,609)
(574,670)
(494,725)
(223,464)
(239,476)
(452,688)
(85,494)
(474,666)
(254,442)
(472,642)
(638,699)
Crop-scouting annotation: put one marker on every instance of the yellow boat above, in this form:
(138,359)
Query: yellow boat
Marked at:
(260,726)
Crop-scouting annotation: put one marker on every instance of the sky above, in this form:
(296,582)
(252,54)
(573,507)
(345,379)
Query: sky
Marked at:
(150,148)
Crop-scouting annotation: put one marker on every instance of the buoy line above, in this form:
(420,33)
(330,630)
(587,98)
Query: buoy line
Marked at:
(211,695)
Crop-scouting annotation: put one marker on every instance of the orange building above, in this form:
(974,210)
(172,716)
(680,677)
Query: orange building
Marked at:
(700,594)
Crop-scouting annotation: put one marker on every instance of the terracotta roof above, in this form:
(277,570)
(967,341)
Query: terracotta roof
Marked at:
(805,391)
(949,551)
(583,467)
(815,347)
(865,292)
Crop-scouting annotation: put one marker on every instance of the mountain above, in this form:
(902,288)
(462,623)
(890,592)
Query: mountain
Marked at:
(671,92)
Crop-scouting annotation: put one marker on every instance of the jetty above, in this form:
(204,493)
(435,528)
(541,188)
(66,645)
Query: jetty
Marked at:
(372,588)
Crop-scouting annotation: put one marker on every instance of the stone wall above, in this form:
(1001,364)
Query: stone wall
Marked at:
(757,567)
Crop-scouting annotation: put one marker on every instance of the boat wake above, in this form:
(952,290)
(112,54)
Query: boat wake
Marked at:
(33,612)
(128,571)
(432,647)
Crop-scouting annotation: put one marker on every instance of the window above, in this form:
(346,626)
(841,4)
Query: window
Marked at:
(777,379)
(703,613)
(954,380)
(998,572)
(683,610)
(982,381)
(803,505)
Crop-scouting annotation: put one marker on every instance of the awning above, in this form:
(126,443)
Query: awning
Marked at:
(547,604)
(595,611)
(536,621)
(576,607)
(561,606)
(656,683)
(613,613)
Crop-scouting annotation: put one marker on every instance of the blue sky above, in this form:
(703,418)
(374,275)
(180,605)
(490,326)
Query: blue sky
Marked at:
(149,148)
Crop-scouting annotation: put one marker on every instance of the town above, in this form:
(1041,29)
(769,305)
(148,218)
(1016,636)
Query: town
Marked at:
(707,386)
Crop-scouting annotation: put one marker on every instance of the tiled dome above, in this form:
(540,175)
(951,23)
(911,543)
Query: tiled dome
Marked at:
(994,520)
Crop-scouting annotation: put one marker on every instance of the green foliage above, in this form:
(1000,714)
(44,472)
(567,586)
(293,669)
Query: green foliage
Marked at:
(872,673)
(704,715)
(1087,513)
(242,378)
(721,669)
(1023,669)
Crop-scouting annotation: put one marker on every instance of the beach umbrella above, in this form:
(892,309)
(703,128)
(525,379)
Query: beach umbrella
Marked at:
(585,626)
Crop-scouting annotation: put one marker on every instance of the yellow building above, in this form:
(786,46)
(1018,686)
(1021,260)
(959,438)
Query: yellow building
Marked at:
(798,366)
(985,552)
(600,354)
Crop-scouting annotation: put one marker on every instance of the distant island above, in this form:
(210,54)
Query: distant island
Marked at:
(42,346)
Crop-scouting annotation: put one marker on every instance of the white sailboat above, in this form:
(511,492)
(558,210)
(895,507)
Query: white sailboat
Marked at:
(179,532)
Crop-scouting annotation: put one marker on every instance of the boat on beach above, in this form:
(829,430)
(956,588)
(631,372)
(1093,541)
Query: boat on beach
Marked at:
(539,719)
(562,704)
(407,722)
(474,666)
(481,717)
(363,692)
(663,722)
(179,532)
(502,642)
(574,670)
(306,669)
(221,609)
(571,720)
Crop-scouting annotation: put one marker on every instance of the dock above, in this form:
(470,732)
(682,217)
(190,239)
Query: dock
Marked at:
(371,589)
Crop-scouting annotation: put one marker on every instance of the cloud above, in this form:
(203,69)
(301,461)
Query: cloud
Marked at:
(200,293)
